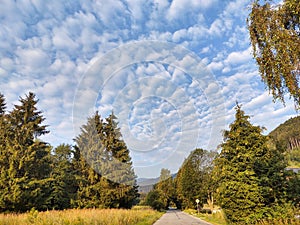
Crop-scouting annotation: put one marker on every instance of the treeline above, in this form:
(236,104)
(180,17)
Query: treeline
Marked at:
(247,178)
(96,172)
(288,134)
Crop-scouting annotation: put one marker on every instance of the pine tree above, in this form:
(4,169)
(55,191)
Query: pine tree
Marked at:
(119,168)
(246,170)
(90,155)
(4,156)
(29,158)
(107,178)
(63,183)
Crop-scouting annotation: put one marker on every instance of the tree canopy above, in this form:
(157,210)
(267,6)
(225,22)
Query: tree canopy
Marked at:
(25,160)
(275,38)
(193,180)
(97,172)
(249,172)
(104,166)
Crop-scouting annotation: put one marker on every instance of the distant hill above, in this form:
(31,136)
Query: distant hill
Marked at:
(288,134)
(146,184)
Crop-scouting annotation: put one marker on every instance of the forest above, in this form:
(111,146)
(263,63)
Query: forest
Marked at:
(247,177)
(36,175)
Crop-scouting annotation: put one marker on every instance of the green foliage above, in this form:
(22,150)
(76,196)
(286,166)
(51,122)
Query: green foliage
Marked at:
(193,180)
(293,158)
(275,38)
(164,193)
(293,188)
(166,188)
(249,172)
(287,137)
(154,200)
(25,160)
(105,175)
(288,133)
(63,183)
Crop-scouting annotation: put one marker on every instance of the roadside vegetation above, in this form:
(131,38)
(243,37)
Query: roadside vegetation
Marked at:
(248,180)
(144,216)
(219,219)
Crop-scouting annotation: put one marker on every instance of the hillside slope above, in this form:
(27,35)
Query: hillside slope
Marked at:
(288,134)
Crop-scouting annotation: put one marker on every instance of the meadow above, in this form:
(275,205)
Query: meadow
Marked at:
(219,219)
(144,216)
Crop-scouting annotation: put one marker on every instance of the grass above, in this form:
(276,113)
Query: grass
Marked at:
(136,216)
(219,219)
(280,222)
(216,218)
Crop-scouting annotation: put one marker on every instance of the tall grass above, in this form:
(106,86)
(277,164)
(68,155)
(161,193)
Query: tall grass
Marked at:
(83,217)
(279,222)
(215,219)
(219,219)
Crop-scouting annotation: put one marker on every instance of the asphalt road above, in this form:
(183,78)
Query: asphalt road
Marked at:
(177,217)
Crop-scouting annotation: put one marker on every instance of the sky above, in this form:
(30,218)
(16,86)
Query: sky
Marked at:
(171,70)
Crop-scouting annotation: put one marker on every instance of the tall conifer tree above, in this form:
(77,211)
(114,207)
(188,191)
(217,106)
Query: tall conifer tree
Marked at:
(90,154)
(29,158)
(245,171)
(4,163)
(120,170)
(63,182)
(107,178)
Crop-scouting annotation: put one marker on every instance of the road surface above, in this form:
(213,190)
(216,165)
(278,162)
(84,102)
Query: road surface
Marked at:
(177,217)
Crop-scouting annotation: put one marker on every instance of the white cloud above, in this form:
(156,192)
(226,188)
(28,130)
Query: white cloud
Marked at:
(215,66)
(47,48)
(182,7)
(33,58)
(239,57)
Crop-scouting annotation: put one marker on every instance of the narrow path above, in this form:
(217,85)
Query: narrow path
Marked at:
(177,217)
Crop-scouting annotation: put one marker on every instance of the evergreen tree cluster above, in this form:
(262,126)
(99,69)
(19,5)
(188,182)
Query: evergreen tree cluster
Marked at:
(107,179)
(247,178)
(250,172)
(96,172)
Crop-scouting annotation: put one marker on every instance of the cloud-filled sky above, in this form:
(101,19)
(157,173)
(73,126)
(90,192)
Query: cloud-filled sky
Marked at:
(171,70)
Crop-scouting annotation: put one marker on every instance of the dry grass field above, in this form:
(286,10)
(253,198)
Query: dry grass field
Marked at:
(142,216)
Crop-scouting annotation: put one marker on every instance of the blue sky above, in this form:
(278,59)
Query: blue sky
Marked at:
(171,70)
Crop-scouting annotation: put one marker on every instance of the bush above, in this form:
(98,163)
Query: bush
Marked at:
(207,211)
(153,199)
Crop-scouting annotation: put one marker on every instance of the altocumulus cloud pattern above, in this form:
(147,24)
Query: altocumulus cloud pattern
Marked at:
(49,47)
(148,85)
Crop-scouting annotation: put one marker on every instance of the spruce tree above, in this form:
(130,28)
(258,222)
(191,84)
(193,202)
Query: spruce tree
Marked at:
(4,156)
(107,178)
(29,158)
(119,168)
(245,172)
(90,155)
(63,182)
